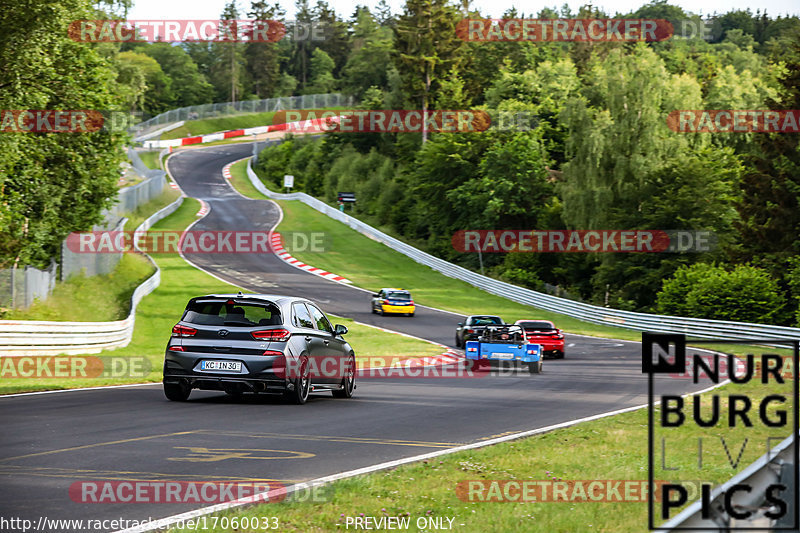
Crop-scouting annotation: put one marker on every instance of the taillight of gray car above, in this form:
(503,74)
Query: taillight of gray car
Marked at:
(260,344)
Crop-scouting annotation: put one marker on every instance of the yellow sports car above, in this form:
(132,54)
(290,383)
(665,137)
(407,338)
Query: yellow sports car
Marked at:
(393,301)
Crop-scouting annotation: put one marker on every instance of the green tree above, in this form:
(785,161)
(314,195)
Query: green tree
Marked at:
(322,80)
(301,48)
(743,294)
(132,81)
(626,170)
(370,59)
(52,183)
(426,49)
(227,72)
(335,41)
(187,85)
(263,59)
(769,203)
(158,96)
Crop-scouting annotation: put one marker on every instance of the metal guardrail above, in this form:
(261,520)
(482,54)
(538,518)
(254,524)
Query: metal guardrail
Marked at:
(159,131)
(27,337)
(198,112)
(694,327)
(775,466)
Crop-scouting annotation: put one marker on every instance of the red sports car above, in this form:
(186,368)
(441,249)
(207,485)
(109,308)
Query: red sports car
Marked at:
(545,333)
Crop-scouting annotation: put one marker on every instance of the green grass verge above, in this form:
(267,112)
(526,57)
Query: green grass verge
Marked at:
(99,298)
(212,125)
(613,448)
(150,159)
(93,298)
(372,265)
(192,128)
(159,311)
(144,211)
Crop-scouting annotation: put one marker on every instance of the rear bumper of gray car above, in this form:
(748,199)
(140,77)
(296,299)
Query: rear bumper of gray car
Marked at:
(257,375)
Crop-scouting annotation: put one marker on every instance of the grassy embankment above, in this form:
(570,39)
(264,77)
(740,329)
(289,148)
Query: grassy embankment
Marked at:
(97,299)
(611,448)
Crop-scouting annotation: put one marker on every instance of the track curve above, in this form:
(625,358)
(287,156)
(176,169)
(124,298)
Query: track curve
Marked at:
(52,440)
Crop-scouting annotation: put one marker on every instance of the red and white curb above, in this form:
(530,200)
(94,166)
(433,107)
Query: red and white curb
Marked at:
(446,358)
(280,251)
(319,125)
(203,209)
(226,170)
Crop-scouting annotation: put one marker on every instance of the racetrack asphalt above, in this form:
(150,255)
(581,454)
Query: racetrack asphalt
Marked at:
(51,441)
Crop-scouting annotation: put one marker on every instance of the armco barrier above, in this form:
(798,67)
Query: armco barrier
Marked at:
(72,338)
(202,111)
(590,313)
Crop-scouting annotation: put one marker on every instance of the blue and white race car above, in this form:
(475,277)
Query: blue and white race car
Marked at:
(502,343)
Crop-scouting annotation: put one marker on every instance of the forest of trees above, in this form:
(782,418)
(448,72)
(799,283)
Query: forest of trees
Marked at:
(600,155)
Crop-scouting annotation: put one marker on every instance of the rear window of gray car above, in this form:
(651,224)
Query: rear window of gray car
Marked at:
(223,313)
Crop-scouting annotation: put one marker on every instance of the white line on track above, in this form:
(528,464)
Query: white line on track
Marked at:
(183,517)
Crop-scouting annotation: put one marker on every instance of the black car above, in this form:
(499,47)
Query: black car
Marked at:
(257,343)
(473,326)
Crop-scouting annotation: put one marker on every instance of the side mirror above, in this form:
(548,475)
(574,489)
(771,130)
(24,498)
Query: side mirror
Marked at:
(339,329)
(461,324)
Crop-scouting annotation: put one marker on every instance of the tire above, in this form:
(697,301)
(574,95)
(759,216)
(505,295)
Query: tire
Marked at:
(302,386)
(176,392)
(535,368)
(410,314)
(458,343)
(348,381)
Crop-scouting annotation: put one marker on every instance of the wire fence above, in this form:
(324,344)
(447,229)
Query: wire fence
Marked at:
(21,286)
(197,112)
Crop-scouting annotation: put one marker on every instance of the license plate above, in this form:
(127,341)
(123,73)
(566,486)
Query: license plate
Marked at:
(221,366)
(502,355)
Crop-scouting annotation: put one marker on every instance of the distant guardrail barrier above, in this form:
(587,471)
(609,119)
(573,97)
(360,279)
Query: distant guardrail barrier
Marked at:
(198,112)
(694,327)
(34,337)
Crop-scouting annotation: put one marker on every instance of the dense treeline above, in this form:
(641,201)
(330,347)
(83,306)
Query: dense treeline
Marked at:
(600,156)
(596,155)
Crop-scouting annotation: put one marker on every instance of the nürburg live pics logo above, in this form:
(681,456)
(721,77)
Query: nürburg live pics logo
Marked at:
(721,456)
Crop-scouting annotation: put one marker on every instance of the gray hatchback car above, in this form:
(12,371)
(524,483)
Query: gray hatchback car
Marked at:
(257,343)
